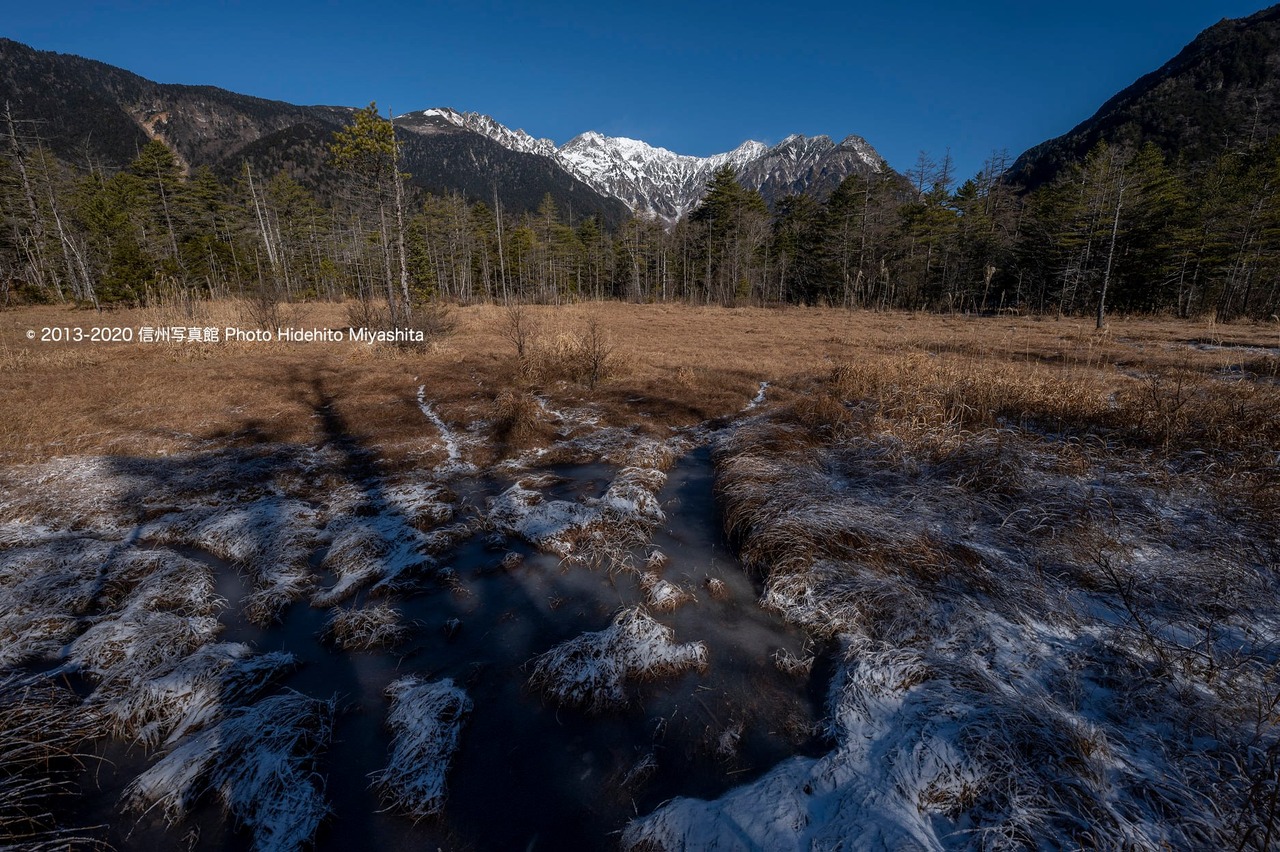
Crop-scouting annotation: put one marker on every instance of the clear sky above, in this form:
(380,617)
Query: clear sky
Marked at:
(695,77)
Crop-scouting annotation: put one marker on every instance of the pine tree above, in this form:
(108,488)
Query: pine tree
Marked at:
(368,151)
(734,223)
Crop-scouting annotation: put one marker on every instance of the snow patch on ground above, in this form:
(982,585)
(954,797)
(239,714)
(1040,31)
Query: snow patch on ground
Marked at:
(758,399)
(450,440)
(1033,643)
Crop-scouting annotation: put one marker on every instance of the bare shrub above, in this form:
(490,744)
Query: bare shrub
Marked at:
(521,329)
(588,356)
(597,352)
(266,308)
(429,320)
(518,420)
(434,318)
(363,312)
(173,303)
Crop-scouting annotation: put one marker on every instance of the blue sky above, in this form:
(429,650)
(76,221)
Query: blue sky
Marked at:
(695,77)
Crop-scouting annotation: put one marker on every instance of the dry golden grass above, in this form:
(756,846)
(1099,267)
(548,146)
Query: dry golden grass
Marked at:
(671,365)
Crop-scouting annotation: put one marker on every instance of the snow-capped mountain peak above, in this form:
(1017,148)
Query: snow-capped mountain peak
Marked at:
(515,140)
(657,182)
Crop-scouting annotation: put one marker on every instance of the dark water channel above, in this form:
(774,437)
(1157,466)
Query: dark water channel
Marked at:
(529,774)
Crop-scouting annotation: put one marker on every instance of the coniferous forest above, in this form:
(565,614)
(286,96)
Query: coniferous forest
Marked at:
(1125,231)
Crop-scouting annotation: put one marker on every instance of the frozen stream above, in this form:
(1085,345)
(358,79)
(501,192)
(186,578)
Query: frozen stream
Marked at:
(529,774)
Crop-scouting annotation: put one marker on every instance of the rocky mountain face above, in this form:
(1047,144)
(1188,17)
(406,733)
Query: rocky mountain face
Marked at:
(1221,90)
(813,165)
(96,115)
(653,181)
(89,111)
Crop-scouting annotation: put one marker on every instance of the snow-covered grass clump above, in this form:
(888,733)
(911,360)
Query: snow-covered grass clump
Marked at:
(426,721)
(663,595)
(47,582)
(364,628)
(598,530)
(592,670)
(88,494)
(381,548)
(551,525)
(374,536)
(259,761)
(270,538)
(190,692)
(1040,643)
(159,607)
(265,511)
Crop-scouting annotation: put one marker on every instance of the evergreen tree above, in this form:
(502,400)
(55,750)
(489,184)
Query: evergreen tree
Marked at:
(733,224)
(368,151)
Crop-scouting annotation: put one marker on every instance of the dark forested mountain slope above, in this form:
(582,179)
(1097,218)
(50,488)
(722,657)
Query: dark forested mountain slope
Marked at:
(87,110)
(95,115)
(1221,90)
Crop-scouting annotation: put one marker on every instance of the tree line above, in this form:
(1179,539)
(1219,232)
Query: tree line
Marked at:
(1125,230)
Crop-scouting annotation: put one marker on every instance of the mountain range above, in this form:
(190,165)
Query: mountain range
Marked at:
(95,114)
(1224,86)
(657,182)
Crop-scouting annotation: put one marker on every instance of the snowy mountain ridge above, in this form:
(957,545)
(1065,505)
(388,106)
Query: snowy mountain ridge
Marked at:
(656,182)
(515,140)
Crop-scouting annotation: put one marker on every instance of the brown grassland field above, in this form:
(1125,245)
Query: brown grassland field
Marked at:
(1160,380)
(1040,559)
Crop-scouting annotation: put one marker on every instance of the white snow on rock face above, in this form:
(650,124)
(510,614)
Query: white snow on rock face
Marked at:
(652,181)
(656,182)
(426,721)
(515,140)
